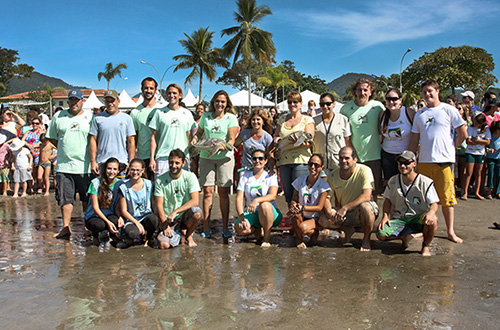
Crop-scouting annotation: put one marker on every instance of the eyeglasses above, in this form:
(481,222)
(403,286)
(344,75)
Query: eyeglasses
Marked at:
(36,123)
(392,98)
(322,104)
(293,102)
(260,159)
(313,164)
(404,162)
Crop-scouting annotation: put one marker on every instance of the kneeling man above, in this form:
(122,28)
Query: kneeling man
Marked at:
(352,185)
(410,205)
(177,195)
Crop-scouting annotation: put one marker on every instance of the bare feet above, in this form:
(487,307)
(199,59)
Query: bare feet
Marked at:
(455,239)
(15,196)
(191,242)
(23,195)
(47,194)
(266,244)
(406,241)
(426,252)
(300,246)
(348,232)
(479,197)
(65,233)
(366,246)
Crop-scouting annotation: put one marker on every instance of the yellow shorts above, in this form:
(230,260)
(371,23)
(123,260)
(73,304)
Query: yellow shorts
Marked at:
(444,181)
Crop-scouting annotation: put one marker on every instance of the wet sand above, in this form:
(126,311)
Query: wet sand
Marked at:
(47,283)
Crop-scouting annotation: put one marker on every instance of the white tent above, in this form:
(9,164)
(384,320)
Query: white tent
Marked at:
(307,95)
(139,100)
(92,102)
(159,99)
(126,101)
(189,99)
(240,99)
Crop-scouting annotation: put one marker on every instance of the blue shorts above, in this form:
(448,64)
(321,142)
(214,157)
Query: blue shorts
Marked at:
(476,159)
(253,218)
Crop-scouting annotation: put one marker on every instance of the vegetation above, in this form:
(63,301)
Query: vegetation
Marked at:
(276,78)
(111,71)
(201,57)
(9,69)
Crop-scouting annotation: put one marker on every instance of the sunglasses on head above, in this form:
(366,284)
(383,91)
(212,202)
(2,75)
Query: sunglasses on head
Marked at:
(322,104)
(405,162)
(313,164)
(257,158)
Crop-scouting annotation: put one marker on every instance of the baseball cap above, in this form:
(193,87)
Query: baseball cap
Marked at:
(408,155)
(75,92)
(111,93)
(469,94)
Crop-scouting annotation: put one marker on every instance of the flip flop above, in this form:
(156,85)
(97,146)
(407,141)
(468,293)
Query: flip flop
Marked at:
(496,225)
(206,234)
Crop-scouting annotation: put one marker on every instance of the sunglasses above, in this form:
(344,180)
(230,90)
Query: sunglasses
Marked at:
(36,123)
(313,164)
(260,159)
(392,98)
(293,102)
(322,104)
(405,162)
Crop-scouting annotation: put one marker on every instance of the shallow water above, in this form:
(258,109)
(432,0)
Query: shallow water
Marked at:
(47,283)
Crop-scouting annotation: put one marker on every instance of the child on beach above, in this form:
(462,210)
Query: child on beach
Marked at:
(47,155)
(478,138)
(5,164)
(493,160)
(23,162)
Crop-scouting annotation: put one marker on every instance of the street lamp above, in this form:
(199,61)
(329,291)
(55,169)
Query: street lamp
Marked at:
(158,73)
(119,81)
(401,70)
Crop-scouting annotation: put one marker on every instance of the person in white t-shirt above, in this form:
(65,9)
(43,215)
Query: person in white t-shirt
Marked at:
(308,200)
(255,201)
(433,126)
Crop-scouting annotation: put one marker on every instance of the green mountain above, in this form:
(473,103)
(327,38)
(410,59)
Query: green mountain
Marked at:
(343,82)
(36,81)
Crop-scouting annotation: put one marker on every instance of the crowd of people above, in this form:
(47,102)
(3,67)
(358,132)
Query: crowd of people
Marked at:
(139,176)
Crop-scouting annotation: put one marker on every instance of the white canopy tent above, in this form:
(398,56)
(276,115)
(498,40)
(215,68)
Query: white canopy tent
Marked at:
(159,99)
(92,102)
(189,99)
(139,101)
(126,102)
(240,99)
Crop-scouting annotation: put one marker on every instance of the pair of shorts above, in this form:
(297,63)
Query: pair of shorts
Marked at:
(22,175)
(179,225)
(474,159)
(5,175)
(218,171)
(45,165)
(67,186)
(353,219)
(162,166)
(376,167)
(444,181)
(253,218)
(401,227)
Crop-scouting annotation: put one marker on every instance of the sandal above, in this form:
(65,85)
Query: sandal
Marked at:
(206,234)
(496,225)
(488,197)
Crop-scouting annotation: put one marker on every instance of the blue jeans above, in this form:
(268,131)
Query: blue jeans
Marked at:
(494,174)
(288,174)
(389,164)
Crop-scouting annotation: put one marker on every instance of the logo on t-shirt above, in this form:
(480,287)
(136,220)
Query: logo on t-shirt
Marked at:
(395,132)
(256,191)
(429,121)
(307,198)
(75,127)
(216,128)
(363,119)
(417,200)
(174,122)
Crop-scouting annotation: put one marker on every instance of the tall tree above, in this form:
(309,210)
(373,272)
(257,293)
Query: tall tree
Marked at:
(249,41)
(276,78)
(201,57)
(111,71)
(464,67)
(9,69)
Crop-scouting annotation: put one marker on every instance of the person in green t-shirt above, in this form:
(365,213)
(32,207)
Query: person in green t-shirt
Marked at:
(141,117)
(176,200)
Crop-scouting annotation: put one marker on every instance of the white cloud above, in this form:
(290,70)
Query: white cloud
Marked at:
(382,21)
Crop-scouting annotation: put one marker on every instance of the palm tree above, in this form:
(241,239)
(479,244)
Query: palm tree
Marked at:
(201,57)
(276,78)
(249,41)
(110,72)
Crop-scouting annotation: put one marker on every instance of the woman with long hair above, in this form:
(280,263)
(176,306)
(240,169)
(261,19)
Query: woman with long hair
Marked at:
(32,140)
(134,203)
(255,201)
(219,122)
(308,201)
(292,163)
(395,128)
(100,217)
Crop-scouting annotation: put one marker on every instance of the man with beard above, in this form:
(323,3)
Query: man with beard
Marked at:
(176,199)
(363,114)
(69,133)
(141,117)
(111,135)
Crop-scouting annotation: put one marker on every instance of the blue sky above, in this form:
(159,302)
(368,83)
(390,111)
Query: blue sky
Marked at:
(73,40)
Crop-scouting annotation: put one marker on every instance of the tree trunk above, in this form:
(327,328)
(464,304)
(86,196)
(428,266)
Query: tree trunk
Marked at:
(276,98)
(249,92)
(201,85)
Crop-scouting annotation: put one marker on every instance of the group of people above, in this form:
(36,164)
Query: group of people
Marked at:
(132,172)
